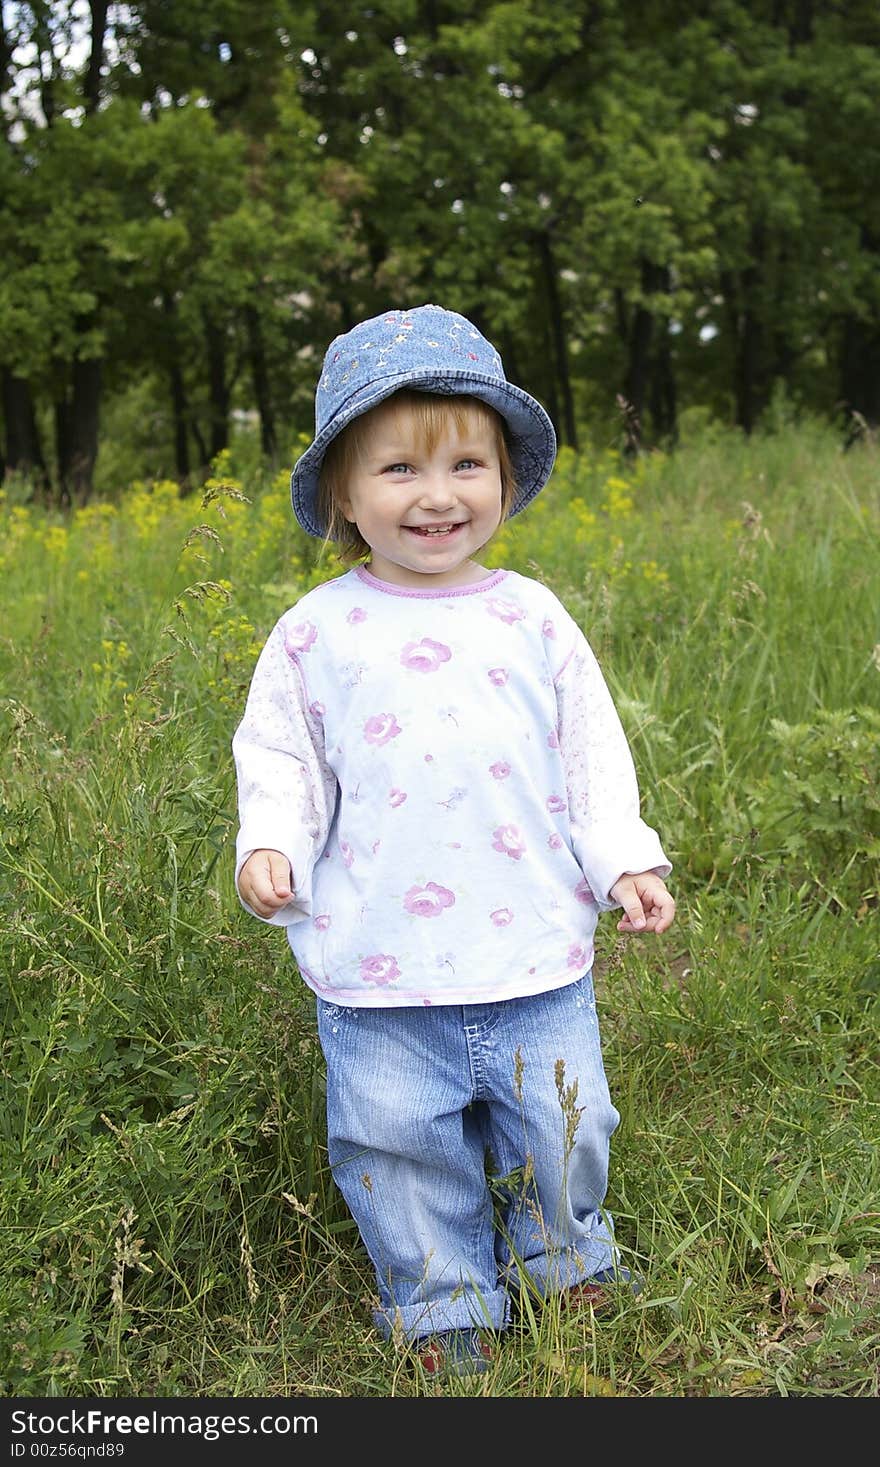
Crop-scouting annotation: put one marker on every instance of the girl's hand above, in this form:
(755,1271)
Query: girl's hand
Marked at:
(265,882)
(647,903)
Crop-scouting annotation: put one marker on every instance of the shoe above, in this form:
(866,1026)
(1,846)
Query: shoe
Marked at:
(595,1291)
(458,1352)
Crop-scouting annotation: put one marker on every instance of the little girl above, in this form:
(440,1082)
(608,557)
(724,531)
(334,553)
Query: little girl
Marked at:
(436,801)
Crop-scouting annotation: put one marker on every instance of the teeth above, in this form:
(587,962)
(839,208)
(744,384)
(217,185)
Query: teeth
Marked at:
(428,530)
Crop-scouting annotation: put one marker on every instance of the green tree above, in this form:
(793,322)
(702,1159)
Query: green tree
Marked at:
(644,204)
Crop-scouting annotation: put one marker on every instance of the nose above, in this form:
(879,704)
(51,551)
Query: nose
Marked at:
(436,492)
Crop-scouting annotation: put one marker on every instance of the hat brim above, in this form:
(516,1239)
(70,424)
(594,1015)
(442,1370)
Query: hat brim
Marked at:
(531,436)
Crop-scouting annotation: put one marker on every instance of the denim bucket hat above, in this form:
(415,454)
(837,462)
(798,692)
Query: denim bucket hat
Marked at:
(431,350)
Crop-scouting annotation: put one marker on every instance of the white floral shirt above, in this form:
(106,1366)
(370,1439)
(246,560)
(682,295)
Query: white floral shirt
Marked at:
(447,775)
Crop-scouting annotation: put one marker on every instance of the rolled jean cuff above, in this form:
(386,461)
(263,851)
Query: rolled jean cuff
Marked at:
(428,1317)
(561,1270)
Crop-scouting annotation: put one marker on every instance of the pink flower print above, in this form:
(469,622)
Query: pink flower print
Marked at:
(499,770)
(376,845)
(555,842)
(429,758)
(555,803)
(428,901)
(583,893)
(346,852)
(553,739)
(356,614)
(548,629)
(379,968)
(317,710)
(502,917)
(498,676)
(396,797)
(509,841)
(381,728)
(301,637)
(505,610)
(424,656)
(577,956)
(322,922)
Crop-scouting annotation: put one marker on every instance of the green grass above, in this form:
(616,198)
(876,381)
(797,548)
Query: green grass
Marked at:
(169,1223)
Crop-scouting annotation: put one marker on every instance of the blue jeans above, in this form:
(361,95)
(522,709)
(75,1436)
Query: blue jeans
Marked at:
(421,1102)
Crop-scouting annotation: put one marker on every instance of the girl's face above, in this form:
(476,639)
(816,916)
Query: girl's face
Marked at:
(424,512)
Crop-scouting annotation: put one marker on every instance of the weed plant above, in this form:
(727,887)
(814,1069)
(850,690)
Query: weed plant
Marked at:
(170,1227)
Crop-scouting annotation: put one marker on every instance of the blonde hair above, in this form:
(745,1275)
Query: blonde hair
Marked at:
(432,414)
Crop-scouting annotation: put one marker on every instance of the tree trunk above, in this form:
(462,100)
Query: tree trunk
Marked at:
(179,413)
(630,421)
(799,23)
(560,346)
(23,453)
(179,406)
(650,375)
(750,379)
(859,359)
(553,405)
(747,368)
(86,373)
(84,413)
(859,367)
(641,332)
(76,430)
(22,450)
(262,393)
(664,396)
(92,86)
(61,408)
(219,390)
(5,55)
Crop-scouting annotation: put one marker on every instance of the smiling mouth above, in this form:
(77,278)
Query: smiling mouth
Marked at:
(434,532)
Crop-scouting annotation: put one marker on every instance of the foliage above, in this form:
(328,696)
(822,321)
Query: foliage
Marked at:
(672,206)
(823,806)
(170,1224)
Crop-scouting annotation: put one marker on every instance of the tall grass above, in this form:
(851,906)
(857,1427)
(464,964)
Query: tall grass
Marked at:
(169,1223)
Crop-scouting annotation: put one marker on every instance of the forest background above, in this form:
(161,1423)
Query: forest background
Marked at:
(675,204)
(668,218)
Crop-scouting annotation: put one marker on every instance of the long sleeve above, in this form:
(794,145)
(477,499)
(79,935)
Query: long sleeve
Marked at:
(286,791)
(609,836)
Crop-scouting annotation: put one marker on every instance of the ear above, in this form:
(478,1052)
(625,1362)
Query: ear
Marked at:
(345,509)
